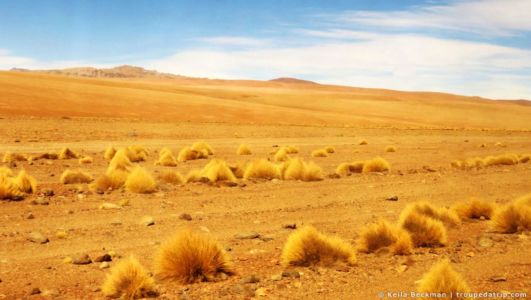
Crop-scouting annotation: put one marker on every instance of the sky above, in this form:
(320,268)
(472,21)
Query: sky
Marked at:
(469,47)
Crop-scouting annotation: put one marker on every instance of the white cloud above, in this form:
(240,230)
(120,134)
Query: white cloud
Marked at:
(486,17)
(234,41)
(7,60)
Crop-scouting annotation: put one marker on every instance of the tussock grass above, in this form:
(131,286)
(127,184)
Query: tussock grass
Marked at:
(292,149)
(25,182)
(48,155)
(376,164)
(307,246)
(113,179)
(8,189)
(75,177)
(166,159)
(347,169)
(5,172)
(238,169)
(262,169)
(474,209)
(390,149)
(202,147)
(362,142)
(319,153)
(297,169)
(85,160)
(188,153)
(330,149)
(14,157)
(442,278)
(140,181)
(120,161)
(137,153)
(190,257)
(507,159)
(193,175)
(280,155)
(424,231)
(513,217)
(501,160)
(384,235)
(217,170)
(128,280)
(523,158)
(243,150)
(67,153)
(109,153)
(171,177)
(443,214)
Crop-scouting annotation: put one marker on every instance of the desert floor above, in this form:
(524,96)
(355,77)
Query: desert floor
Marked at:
(420,171)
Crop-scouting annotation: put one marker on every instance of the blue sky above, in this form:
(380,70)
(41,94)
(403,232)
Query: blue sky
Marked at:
(472,47)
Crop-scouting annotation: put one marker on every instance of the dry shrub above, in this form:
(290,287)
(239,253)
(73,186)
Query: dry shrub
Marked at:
(501,160)
(25,183)
(166,159)
(513,217)
(128,280)
(75,177)
(238,169)
(188,153)
(137,153)
(319,153)
(443,214)
(12,157)
(165,150)
(390,149)
(363,142)
(243,150)
(51,156)
(307,246)
(67,153)
(86,160)
(523,158)
(217,170)
(498,144)
(424,231)
(292,149)
(330,149)
(281,155)
(377,164)
(346,169)
(475,209)
(120,161)
(202,147)
(113,179)
(442,278)
(172,177)
(9,190)
(5,172)
(262,169)
(194,175)
(109,153)
(140,181)
(190,257)
(298,169)
(384,235)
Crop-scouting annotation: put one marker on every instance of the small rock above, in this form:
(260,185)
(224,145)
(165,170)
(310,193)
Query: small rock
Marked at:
(276,277)
(37,237)
(67,260)
(470,254)
(291,273)
(334,176)
(429,169)
(104,265)
(35,291)
(498,278)
(289,226)
(30,216)
(104,257)
(401,268)
(204,228)
(147,221)
(124,202)
(95,289)
(246,235)
(266,238)
(60,234)
(228,183)
(185,216)
(48,192)
(250,279)
(83,259)
(485,242)
(50,293)
(392,198)
(260,292)
(40,201)
(107,205)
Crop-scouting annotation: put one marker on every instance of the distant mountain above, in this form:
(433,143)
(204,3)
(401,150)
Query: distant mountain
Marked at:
(124,71)
(292,80)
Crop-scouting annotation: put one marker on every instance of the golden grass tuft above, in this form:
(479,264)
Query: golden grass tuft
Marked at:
(474,209)
(5,172)
(120,161)
(281,155)
(513,217)
(140,181)
(238,169)
(128,280)
(390,149)
(9,190)
(166,159)
(190,257)
(523,158)
(75,177)
(137,153)
(297,169)
(13,157)
(346,169)
(319,153)
(307,246)
(292,149)
(165,150)
(377,164)
(109,153)
(217,170)
(25,182)
(193,175)
(330,149)
(501,160)
(384,235)
(202,147)
(188,153)
(243,150)
(113,179)
(424,231)
(85,160)
(362,142)
(171,177)
(51,156)
(262,169)
(442,278)
(443,214)
(67,153)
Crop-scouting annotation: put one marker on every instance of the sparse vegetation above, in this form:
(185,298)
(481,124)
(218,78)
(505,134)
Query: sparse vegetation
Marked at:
(262,169)
(128,280)
(347,169)
(474,209)
(8,189)
(297,169)
(202,147)
(319,153)
(217,170)
(113,179)
(67,153)
(513,217)
(166,158)
(330,149)
(109,153)
(280,155)
(390,149)
(243,150)
(384,235)
(362,142)
(25,182)
(172,177)
(14,157)
(75,177)
(136,153)
(442,278)
(120,161)
(292,149)
(424,231)
(140,181)
(507,159)
(377,164)
(188,153)
(85,160)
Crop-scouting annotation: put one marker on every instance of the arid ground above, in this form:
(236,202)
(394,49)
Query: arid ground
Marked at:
(43,113)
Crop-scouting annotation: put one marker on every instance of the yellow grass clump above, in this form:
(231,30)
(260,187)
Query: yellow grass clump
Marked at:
(330,149)
(319,153)
(217,170)
(128,280)
(25,182)
(5,172)
(292,149)
(137,153)
(441,280)
(11,157)
(67,153)
(85,160)
(384,235)
(51,156)
(390,149)
(523,158)
(188,153)
(238,169)
(166,159)
(298,169)
(109,153)
(501,160)
(443,214)
(190,257)
(243,150)
(140,181)
(193,175)
(120,161)
(346,169)
(75,177)
(171,177)
(513,217)
(165,150)
(281,155)
(307,246)
(424,231)
(8,189)
(377,164)
(363,142)
(113,179)
(261,169)
(202,147)
(474,209)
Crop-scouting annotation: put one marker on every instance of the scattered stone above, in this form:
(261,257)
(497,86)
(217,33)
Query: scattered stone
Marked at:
(260,292)
(104,265)
(185,216)
(30,216)
(60,234)
(83,259)
(67,260)
(498,278)
(401,268)
(266,238)
(276,277)
(37,237)
(35,291)
(392,198)
(485,242)
(40,201)
(429,169)
(124,202)
(108,205)
(204,228)
(104,257)
(246,235)
(116,222)
(291,273)
(334,176)
(48,192)
(95,289)
(250,279)
(290,226)
(228,183)
(147,221)
(470,254)
(50,293)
